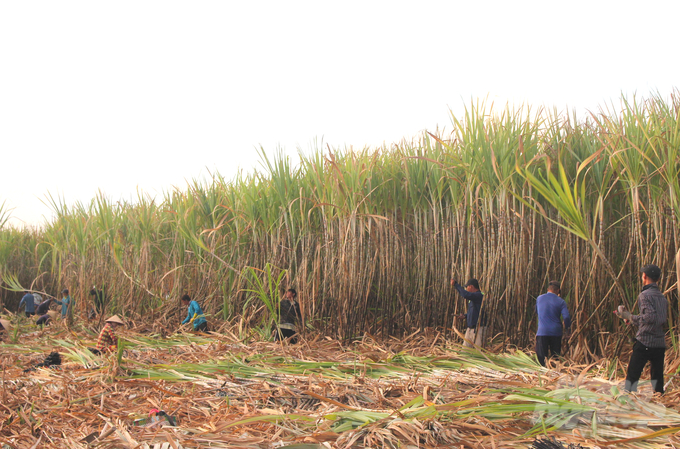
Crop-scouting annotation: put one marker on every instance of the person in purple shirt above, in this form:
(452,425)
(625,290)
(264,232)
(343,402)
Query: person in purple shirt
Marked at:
(550,307)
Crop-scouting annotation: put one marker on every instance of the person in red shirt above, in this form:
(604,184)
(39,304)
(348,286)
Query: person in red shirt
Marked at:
(108,340)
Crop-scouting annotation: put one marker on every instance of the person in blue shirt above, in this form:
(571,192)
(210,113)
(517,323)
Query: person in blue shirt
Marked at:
(194,315)
(29,302)
(475,316)
(550,307)
(65,302)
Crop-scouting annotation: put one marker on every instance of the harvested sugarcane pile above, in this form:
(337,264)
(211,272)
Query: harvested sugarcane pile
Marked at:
(219,390)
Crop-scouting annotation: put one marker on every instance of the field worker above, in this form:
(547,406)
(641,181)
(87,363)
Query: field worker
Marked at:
(650,341)
(289,317)
(47,318)
(108,341)
(550,307)
(28,301)
(475,316)
(44,306)
(99,300)
(65,302)
(194,314)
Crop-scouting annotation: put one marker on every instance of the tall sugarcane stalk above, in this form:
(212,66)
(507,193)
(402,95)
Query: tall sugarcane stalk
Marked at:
(370,237)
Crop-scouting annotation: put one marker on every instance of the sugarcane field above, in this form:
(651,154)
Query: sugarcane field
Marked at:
(511,282)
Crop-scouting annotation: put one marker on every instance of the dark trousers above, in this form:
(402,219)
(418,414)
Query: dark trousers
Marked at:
(203,327)
(547,347)
(282,334)
(638,359)
(29,314)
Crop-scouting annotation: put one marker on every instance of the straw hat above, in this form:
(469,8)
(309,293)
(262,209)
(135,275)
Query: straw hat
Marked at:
(6,325)
(115,319)
(53,314)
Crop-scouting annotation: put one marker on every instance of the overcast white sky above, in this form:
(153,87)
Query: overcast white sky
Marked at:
(116,96)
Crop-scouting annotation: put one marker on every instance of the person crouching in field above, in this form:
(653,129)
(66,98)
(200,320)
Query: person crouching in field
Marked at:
(108,340)
(194,315)
(650,340)
(475,317)
(289,317)
(47,318)
(550,307)
(44,306)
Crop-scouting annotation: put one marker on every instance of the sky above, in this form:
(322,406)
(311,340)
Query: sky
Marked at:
(144,96)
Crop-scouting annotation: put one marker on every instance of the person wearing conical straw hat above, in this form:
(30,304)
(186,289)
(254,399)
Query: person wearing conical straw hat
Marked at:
(108,341)
(475,317)
(195,314)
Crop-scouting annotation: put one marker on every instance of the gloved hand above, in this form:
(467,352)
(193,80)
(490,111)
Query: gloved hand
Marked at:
(623,313)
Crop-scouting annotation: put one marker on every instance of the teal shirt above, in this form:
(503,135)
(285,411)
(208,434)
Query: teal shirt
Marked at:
(64,305)
(194,308)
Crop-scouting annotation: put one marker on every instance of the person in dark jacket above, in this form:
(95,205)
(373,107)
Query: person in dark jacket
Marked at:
(98,300)
(475,317)
(44,307)
(289,317)
(650,344)
(47,318)
(550,308)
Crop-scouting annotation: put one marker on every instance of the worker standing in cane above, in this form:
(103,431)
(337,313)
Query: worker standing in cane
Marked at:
(650,340)
(550,307)
(28,300)
(475,317)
